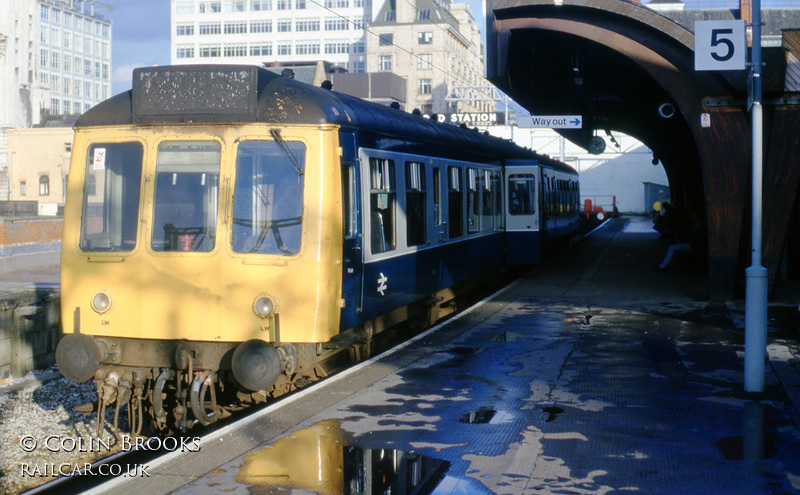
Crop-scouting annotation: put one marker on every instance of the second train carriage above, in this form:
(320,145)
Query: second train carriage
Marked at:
(226,226)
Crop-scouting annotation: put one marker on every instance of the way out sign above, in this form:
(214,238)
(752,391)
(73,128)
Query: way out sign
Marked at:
(719,45)
(551,121)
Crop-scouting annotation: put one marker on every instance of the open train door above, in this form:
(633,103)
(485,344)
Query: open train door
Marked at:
(523,181)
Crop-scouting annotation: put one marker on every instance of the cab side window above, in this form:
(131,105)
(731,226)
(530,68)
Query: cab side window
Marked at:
(382,204)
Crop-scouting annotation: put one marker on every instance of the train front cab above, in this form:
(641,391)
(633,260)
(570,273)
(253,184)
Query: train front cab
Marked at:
(199,238)
(523,236)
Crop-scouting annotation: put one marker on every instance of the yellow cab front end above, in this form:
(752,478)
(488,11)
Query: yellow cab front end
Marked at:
(202,233)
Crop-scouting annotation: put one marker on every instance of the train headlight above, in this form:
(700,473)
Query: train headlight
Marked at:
(264,306)
(101,302)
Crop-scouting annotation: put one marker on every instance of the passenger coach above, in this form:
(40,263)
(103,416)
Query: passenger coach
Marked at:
(229,230)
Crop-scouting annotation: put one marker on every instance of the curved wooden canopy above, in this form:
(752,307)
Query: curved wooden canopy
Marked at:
(617,63)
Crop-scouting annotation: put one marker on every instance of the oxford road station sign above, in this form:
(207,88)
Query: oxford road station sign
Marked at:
(550,121)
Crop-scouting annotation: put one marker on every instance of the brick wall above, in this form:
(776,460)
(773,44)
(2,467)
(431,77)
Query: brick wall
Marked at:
(29,231)
(30,327)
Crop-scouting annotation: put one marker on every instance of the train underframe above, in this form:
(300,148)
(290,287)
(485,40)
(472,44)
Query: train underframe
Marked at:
(172,386)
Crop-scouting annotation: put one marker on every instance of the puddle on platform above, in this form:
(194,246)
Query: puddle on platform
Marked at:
(756,444)
(321,459)
(739,448)
(552,413)
(481,416)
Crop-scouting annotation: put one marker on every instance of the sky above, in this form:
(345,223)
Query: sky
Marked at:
(141,32)
(140,38)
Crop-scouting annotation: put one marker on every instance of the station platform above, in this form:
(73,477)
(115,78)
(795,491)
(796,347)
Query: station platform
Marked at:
(593,373)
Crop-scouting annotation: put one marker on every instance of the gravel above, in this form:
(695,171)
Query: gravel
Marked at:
(43,434)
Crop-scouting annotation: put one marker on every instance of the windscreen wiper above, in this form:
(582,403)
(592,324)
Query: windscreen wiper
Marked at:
(276,135)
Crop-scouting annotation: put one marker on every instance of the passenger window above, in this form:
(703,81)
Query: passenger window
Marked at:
(348,200)
(268,198)
(111,197)
(382,197)
(497,182)
(521,194)
(416,213)
(437,201)
(455,202)
(186,191)
(474,185)
(487,220)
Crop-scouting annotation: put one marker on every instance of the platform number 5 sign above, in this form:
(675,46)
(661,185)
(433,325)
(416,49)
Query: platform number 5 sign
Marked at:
(719,45)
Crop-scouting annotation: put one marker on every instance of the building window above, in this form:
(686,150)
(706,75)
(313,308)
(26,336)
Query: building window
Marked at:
(425,38)
(44,185)
(425,61)
(360,22)
(359,47)
(236,27)
(260,26)
(260,49)
(207,28)
(385,63)
(211,7)
(184,29)
(233,6)
(307,48)
(361,4)
(337,47)
(300,4)
(208,51)
(306,25)
(284,25)
(23,188)
(336,24)
(258,5)
(424,14)
(284,4)
(337,4)
(358,66)
(425,86)
(385,39)
(284,48)
(185,52)
(391,15)
(235,50)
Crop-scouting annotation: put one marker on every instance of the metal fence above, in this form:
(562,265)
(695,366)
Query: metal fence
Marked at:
(19,208)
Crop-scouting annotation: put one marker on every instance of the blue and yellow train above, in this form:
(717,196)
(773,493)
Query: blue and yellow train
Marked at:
(229,231)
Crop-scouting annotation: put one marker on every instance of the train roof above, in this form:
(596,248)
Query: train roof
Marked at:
(243,93)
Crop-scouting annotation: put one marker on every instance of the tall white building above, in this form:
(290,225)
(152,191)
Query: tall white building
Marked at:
(55,59)
(272,32)
(74,54)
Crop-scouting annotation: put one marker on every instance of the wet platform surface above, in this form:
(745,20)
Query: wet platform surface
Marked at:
(592,374)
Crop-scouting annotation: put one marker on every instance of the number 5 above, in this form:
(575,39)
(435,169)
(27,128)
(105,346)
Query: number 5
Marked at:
(716,41)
